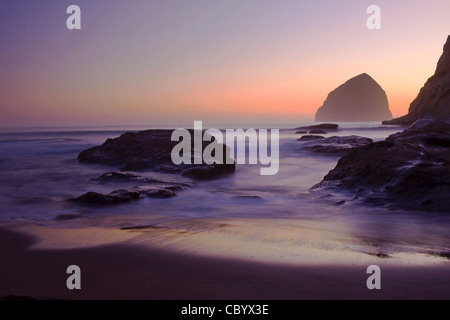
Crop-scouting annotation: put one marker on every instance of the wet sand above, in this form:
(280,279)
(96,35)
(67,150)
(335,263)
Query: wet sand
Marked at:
(123,270)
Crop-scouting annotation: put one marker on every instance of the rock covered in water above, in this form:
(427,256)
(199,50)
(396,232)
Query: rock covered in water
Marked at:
(132,177)
(160,193)
(151,150)
(322,126)
(310,137)
(317,131)
(359,99)
(123,195)
(115,197)
(433,101)
(410,169)
(333,145)
(115,176)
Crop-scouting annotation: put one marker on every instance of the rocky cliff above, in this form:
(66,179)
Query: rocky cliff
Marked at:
(433,100)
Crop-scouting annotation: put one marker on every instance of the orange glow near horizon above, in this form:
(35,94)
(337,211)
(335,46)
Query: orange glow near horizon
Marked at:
(266,60)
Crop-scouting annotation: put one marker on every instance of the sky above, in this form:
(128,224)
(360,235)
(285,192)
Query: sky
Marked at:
(138,62)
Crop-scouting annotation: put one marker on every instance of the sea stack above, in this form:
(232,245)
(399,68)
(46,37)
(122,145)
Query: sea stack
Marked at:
(359,99)
(433,101)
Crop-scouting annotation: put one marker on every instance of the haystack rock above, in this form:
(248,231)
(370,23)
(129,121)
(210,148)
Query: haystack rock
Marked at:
(359,99)
(433,101)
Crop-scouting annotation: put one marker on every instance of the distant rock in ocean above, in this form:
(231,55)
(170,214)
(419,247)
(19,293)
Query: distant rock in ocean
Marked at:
(433,100)
(322,126)
(359,99)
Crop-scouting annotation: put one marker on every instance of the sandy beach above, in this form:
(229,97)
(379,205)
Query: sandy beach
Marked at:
(123,269)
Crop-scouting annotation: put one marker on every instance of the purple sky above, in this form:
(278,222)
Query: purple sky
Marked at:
(144,61)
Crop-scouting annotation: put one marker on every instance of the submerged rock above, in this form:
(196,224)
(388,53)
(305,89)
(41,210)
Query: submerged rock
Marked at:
(151,150)
(118,177)
(205,172)
(310,137)
(247,197)
(123,195)
(410,169)
(359,99)
(433,101)
(317,131)
(334,145)
(322,126)
(114,197)
(160,193)
(114,176)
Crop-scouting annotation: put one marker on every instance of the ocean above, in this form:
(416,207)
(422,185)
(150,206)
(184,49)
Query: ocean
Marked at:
(40,172)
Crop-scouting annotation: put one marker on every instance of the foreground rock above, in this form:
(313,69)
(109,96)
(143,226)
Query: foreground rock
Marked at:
(150,150)
(433,100)
(114,197)
(410,169)
(122,196)
(114,176)
(118,177)
(359,99)
(333,145)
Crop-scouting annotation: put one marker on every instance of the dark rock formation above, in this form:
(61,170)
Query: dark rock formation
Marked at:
(433,100)
(322,126)
(310,137)
(121,196)
(114,197)
(334,145)
(205,172)
(410,169)
(150,150)
(160,193)
(117,177)
(114,176)
(359,99)
(317,131)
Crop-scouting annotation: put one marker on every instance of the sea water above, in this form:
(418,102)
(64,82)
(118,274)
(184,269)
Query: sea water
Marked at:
(40,172)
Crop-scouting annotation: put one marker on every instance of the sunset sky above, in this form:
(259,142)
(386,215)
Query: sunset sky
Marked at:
(162,61)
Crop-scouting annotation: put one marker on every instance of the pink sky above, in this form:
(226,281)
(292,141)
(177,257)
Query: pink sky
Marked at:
(148,62)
